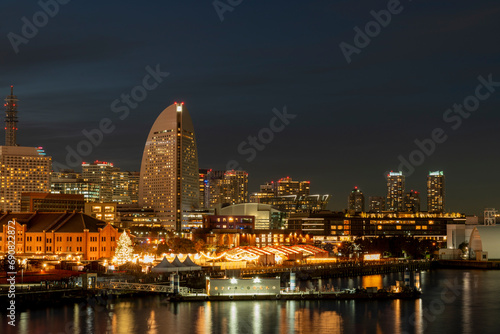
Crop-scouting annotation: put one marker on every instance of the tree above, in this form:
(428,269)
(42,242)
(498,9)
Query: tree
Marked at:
(200,246)
(124,249)
(181,246)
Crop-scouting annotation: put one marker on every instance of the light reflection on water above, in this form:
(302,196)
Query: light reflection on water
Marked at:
(474,309)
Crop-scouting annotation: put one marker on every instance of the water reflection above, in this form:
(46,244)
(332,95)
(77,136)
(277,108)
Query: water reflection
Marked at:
(474,310)
(372,280)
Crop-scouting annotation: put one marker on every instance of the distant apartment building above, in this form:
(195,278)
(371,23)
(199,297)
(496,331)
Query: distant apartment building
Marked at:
(22,169)
(101,173)
(395,191)
(435,192)
(71,183)
(289,196)
(356,201)
(286,186)
(412,201)
(125,187)
(219,188)
(377,204)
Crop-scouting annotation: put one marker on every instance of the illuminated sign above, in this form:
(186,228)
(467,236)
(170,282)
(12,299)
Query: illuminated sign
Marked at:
(371,257)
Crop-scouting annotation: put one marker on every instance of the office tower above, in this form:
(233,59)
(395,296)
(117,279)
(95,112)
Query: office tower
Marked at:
(11,119)
(283,187)
(125,187)
(269,188)
(286,186)
(69,182)
(435,192)
(235,187)
(169,181)
(22,169)
(101,173)
(356,201)
(203,184)
(377,203)
(133,186)
(395,191)
(222,188)
(412,201)
(266,191)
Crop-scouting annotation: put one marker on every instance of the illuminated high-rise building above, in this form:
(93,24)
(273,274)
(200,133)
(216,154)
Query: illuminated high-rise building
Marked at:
(356,201)
(286,186)
(125,187)
(435,192)
(412,201)
(169,181)
(101,173)
(22,170)
(377,203)
(234,187)
(395,191)
(222,188)
(11,119)
(69,182)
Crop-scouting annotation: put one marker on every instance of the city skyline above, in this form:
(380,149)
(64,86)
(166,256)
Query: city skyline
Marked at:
(381,107)
(401,198)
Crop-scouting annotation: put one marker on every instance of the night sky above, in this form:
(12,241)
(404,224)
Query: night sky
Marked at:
(353,120)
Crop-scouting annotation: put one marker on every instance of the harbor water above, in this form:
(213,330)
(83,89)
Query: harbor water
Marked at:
(453,301)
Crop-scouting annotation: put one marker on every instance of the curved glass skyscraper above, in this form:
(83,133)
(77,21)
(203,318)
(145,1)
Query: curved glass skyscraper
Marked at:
(169,169)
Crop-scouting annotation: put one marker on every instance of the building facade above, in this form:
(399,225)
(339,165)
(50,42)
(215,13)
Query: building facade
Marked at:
(412,201)
(345,227)
(58,235)
(102,211)
(377,203)
(169,180)
(48,202)
(22,169)
(293,203)
(356,201)
(228,222)
(435,192)
(395,191)
(101,173)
